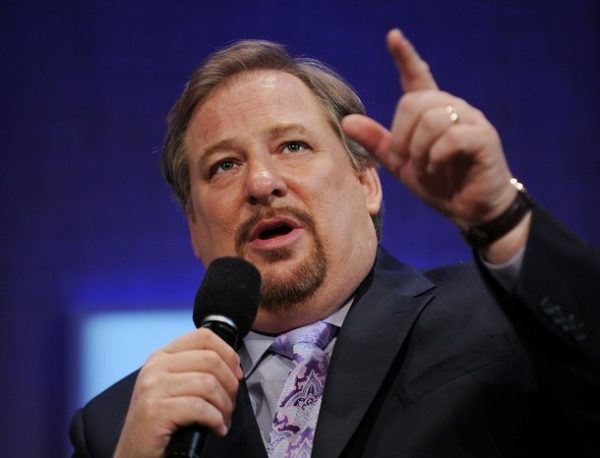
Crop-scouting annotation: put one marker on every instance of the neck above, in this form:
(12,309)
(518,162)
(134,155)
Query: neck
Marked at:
(338,286)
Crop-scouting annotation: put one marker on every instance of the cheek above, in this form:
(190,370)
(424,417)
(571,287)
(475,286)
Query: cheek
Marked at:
(338,198)
(215,221)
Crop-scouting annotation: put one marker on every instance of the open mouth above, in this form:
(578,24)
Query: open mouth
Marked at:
(275,232)
(272,229)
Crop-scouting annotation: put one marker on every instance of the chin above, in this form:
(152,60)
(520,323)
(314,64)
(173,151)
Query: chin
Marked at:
(280,272)
(275,322)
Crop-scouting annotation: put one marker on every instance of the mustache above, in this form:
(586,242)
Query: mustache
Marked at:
(245,229)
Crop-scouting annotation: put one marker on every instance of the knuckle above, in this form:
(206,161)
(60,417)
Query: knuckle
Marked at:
(204,333)
(156,355)
(454,100)
(409,102)
(198,405)
(209,383)
(429,120)
(205,412)
(491,132)
(232,391)
(149,406)
(148,382)
(424,66)
(212,358)
(479,114)
(454,138)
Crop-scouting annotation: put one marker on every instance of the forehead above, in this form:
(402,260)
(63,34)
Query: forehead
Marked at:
(258,98)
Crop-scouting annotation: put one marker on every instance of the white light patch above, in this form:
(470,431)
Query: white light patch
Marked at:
(113,344)
(270,81)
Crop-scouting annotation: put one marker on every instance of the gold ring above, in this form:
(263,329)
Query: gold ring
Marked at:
(452,113)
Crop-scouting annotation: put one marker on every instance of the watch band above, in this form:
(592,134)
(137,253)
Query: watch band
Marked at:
(485,234)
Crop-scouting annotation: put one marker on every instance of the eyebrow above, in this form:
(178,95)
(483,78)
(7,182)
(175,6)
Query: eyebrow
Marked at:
(226,144)
(281,130)
(273,132)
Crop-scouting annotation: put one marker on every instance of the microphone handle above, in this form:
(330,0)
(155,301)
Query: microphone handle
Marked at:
(189,441)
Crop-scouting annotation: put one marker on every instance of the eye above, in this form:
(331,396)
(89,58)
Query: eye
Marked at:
(294,147)
(222,167)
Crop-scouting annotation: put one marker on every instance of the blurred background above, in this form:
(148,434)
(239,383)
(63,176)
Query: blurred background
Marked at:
(95,264)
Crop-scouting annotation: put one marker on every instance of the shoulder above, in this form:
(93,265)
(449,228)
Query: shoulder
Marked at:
(462,272)
(96,427)
(462,304)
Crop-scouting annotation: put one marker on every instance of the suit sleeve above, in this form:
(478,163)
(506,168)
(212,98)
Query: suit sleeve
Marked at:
(95,429)
(559,283)
(77,436)
(554,310)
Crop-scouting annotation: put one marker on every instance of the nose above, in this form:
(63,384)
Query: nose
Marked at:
(264,181)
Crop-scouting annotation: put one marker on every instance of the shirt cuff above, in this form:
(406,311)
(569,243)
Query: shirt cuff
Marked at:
(507,273)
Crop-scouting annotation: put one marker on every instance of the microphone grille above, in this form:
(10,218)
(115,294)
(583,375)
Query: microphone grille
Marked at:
(231,288)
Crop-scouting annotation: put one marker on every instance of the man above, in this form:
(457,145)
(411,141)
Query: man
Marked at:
(267,155)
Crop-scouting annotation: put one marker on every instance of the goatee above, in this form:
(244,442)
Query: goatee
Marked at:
(303,280)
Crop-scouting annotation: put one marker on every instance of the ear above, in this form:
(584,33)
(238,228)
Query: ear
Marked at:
(191,223)
(371,185)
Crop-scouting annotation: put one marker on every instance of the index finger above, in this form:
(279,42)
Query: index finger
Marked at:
(204,339)
(414,71)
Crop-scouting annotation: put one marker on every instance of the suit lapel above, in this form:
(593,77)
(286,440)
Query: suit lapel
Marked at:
(244,437)
(385,309)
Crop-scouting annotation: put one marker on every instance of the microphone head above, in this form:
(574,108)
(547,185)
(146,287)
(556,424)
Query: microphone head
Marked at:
(231,288)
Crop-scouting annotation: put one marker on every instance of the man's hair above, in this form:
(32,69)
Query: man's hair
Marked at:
(335,96)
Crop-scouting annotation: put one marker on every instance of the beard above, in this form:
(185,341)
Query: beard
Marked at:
(303,280)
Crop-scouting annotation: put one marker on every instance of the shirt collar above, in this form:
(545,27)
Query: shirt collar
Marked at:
(256,344)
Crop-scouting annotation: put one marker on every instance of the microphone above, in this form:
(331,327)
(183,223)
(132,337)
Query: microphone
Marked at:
(226,303)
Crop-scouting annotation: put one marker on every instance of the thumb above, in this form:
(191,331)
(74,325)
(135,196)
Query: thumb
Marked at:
(374,137)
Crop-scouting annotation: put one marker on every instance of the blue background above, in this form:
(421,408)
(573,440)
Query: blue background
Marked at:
(87,223)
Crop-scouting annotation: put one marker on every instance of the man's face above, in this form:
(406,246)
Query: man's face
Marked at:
(272,183)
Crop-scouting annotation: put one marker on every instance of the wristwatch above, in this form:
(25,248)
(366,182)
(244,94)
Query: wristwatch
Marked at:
(487,233)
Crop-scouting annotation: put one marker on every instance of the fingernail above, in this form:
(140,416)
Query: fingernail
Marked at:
(431,168)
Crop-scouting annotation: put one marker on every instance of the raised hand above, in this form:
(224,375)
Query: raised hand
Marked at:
(194,379)
(439,146)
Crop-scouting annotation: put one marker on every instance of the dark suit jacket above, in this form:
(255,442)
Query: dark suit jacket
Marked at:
(442,364)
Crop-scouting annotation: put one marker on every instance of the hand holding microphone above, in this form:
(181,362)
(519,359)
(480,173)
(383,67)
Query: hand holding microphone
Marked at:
(194,380)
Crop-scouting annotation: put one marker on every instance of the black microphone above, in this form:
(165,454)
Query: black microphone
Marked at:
(226,303)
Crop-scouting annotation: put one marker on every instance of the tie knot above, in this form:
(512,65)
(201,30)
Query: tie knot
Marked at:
(293,342)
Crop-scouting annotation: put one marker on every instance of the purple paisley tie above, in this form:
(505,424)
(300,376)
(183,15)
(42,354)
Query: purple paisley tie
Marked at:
(298,408)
